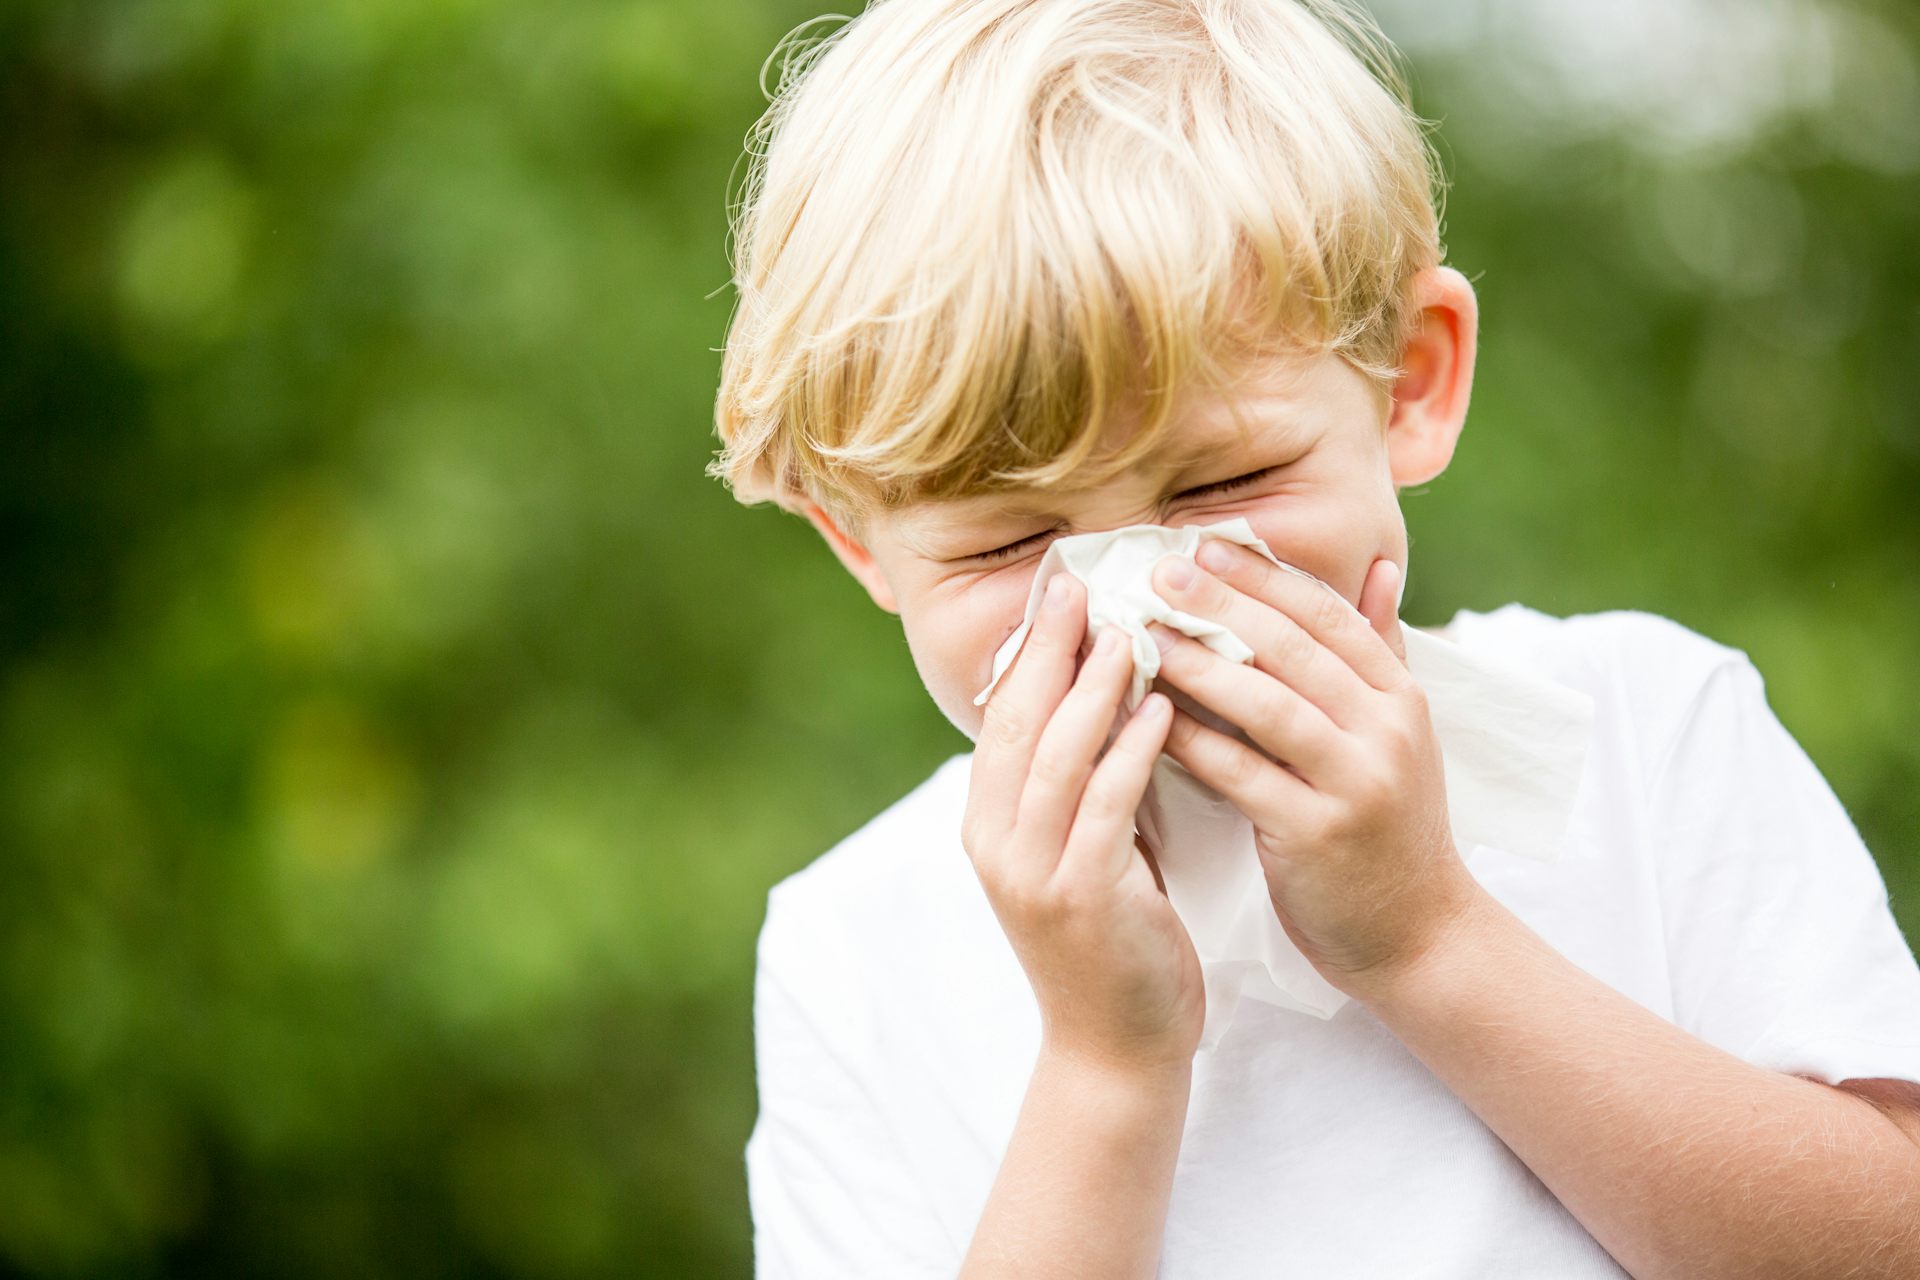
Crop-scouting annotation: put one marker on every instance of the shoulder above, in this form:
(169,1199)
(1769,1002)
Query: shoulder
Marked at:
(1646,672)
(872,883)
(1612,640)
(886,944)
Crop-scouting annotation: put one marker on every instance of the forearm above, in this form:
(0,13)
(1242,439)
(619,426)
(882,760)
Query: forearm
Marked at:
(1679,1158)
(1083,1188)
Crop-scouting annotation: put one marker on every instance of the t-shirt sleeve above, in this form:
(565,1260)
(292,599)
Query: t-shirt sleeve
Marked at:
(1783,947)
(829,1191)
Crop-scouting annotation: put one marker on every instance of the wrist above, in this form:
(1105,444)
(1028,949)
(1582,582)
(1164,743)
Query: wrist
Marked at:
(1088,1172)
(1467,927)
(1115,1077)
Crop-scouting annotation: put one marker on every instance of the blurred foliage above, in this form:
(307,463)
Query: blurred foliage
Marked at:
(400,733)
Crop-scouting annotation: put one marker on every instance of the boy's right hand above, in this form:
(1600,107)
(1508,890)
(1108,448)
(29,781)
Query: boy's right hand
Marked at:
(1050,834)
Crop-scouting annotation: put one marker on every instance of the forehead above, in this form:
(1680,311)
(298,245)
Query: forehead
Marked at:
(1187,447)
(1207,436)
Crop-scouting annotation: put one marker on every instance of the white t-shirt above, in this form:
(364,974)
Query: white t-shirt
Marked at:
(1709,874)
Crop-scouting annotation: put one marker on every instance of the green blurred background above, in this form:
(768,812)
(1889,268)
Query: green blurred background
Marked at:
(399,734)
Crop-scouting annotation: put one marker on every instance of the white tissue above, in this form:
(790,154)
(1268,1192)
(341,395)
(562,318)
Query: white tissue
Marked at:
(1512,745)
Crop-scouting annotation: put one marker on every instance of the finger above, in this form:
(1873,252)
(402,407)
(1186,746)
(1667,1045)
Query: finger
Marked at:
(1069,745)
(1279,721)
(1281,647)
(1325,614)
(1255,785)
(1101,844)
(1380,605)
(1025,698)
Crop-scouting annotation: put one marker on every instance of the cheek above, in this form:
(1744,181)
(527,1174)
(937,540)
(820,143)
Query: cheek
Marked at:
(953,643)
(1335,541)
(1313,535)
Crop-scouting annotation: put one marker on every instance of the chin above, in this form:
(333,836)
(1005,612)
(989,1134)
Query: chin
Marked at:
(969,724)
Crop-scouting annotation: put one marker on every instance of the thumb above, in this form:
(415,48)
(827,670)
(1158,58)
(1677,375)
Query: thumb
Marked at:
(1380,604)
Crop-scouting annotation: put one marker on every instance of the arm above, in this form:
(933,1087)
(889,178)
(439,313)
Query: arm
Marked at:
(1897,1100)
(1083,1189)
(1084,1185)
(1679,1158)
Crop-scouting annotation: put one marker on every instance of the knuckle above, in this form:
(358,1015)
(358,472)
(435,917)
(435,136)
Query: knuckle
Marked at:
(1326,827)
(991,873)
(1400,738)
(1341,818)
(1046,904)
(1281,716)
(1020,897)
(1073,899)
(1240,767)
(1419,708)
(1041,641)
(1004,728)
(1295,648)
(980,835)
(1050,770)
(1327,613)
(1372,787)
(1104,799)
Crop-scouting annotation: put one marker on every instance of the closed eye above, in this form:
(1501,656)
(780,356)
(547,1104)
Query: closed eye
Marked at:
(1218,486)
(1001,553)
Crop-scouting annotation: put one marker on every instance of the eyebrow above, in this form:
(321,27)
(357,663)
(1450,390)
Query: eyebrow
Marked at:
(1180,458)
(925,538)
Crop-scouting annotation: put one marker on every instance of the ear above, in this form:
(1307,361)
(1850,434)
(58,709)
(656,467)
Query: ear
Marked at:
(1430,400)
(859,561)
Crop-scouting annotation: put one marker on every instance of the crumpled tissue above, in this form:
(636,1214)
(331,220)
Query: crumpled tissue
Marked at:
(1512,745)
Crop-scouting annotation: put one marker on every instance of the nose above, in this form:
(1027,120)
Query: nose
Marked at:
(1121,517)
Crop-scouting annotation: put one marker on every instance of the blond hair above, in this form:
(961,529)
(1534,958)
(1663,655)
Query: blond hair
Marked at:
(974,234)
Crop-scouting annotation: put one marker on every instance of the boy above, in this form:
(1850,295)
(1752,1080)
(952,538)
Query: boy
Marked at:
(1012,270)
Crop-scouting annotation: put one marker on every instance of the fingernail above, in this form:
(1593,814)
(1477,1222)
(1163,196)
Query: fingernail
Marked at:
(1179,575)
(1056,596)
(1399,587)
(1106,642)
(1162,638)
(1215,556)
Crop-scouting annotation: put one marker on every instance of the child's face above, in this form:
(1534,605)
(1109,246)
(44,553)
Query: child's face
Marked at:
(1322,460)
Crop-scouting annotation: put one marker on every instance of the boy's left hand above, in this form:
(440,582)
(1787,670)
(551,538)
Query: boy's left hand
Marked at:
(1343,784)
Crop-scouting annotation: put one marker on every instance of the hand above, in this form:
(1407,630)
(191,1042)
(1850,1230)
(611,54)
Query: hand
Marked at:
(1342,780)
(1051,836)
